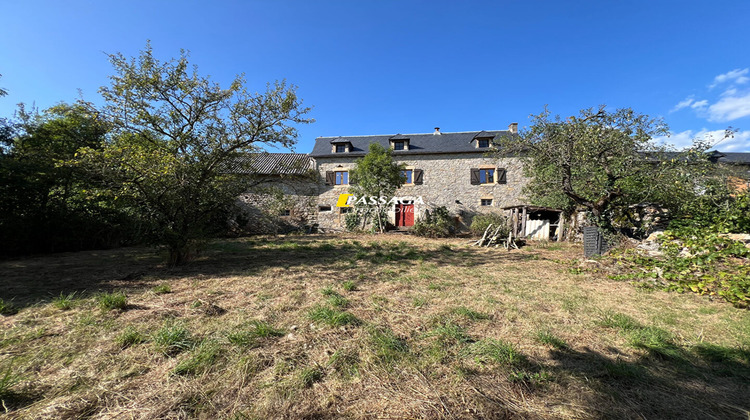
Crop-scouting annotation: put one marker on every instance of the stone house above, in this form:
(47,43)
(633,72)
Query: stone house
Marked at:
(453,170)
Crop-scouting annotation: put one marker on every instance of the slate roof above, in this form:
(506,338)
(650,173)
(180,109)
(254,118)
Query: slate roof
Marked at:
(426,143)
(273,164)
(735,158)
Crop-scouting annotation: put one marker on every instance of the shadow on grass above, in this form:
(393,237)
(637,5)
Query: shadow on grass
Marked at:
(29,281)
(687,384)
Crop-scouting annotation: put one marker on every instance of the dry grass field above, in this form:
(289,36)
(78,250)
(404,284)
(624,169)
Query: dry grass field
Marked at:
(359,327)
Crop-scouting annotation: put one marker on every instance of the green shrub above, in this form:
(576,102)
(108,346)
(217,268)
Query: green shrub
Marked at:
(546,337)
(64,302)
(162,289)
(309,376)
(249,337)
(7,308)
(353,221)
(172,339)
(8,379)
(130,336)
(387,347)
(437,223)
(332,317)
(494,351)
(449,333)
(471,314)
(200,360)
(480,222)
(349,286)
(114,300)
(345,363)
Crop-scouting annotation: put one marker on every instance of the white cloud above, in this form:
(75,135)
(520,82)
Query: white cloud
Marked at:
(731,104)
(739,142)
(736,76)
(683,104)
(730,107)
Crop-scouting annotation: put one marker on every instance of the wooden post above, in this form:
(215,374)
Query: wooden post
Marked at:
(514,221)
(523,223)
(560,227)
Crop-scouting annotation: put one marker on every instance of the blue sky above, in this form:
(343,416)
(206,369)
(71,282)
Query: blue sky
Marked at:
(377,67)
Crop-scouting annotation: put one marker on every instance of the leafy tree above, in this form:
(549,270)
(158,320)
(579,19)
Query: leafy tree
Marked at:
(376,175)
(176,137)
(48,203)
(606,162)
(3,92)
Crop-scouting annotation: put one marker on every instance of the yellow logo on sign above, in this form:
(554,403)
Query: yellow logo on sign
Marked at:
(343,199)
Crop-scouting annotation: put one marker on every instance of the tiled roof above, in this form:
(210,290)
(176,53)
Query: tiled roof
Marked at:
(418,143)
(273,164)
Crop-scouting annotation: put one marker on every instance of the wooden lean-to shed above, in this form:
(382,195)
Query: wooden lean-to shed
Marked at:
(534,222)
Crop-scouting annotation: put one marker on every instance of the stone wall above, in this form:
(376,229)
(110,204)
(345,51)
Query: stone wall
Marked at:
(446,183)
(263,209)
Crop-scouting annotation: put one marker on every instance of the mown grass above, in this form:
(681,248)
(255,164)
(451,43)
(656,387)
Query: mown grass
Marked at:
(360,327)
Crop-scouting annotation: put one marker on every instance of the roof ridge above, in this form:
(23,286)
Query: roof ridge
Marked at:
(410,134)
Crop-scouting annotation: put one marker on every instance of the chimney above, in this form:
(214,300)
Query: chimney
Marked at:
(513,128)
(437,131)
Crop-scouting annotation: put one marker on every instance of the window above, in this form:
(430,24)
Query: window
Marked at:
(324,208)
(342,178)
(340,148)
(486,202)
(398,145)
(484,142)
(408,176)
(285,212)
(344,210)
(486,176)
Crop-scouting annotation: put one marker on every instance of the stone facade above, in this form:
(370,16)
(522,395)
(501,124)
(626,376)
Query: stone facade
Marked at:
(278,204)
(446,182)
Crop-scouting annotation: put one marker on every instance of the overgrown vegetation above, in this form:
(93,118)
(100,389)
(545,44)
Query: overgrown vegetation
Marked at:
(114,300)
(480,222)
(697,256)
(436,223)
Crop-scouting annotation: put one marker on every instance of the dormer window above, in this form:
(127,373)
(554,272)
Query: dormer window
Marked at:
(341,145)
(399,142)
(483,139)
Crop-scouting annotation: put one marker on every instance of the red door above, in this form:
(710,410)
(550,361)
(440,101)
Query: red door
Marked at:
(405,215)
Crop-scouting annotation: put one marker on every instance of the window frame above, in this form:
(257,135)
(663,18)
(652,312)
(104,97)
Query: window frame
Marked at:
(480,141)
(489,175)
(483,200)
(342,146)
(409,180)
(339,176)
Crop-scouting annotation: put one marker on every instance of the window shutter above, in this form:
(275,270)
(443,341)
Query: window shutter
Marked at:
(474,176)
(418,176)
(501,176)
(330,177)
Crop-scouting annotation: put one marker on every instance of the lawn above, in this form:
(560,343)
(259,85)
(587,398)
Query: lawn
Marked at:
(360,327)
